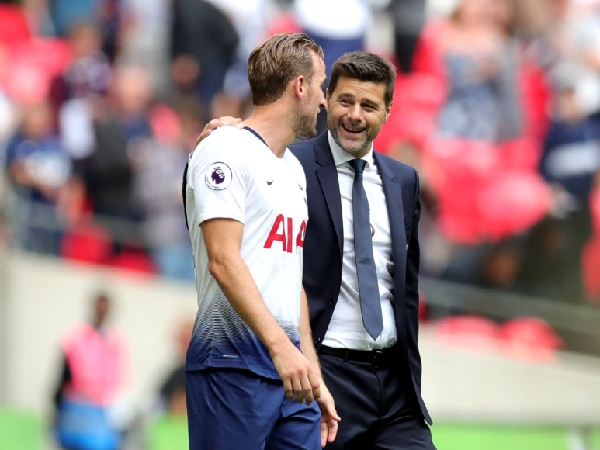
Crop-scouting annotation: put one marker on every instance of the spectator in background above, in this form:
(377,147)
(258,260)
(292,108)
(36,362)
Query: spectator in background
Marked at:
(567,44)
(408,17)
(574,34)
(39,170)
(204,43)
(481,74)
(113,18)
(251,19)
(7,108)
(344,34)
(74,92)
(88,75)
(159,163)
(172,389)
(93,379)
(107,172)
(570,162)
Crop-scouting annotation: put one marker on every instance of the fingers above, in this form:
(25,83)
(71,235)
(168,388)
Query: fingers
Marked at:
(289,390)
(228,120)
(299,389)
(216,123)
(324,433)
(315,385)
(305,387)
(307,391)
(329,429)
(328,410)
(202,136)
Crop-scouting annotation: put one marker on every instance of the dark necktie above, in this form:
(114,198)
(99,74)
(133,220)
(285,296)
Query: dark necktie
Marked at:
(368,290)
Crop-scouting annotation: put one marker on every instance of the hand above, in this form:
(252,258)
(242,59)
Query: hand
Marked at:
(296,372)
(329,416)
(216,123)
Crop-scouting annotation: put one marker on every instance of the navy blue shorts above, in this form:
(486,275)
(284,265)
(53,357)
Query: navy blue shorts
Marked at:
(237,409)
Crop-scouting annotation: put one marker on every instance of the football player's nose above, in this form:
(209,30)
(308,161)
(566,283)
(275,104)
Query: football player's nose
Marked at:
(323,104)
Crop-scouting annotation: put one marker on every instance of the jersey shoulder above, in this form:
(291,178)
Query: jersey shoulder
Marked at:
(228,140)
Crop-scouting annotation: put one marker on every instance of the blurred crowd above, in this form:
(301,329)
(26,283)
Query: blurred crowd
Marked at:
(497,104)
(499,111)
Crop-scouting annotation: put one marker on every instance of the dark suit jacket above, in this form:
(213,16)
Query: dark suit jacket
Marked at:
(323,247)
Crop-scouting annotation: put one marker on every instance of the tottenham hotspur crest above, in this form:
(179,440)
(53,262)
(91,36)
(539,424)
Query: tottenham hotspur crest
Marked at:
(218,176)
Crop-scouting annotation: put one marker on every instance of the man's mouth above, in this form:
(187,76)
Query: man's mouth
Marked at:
(353,130)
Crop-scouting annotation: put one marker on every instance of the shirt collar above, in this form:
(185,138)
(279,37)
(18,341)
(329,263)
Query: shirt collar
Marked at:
(340,156)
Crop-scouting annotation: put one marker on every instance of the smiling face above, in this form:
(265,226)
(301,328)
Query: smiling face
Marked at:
(356,111)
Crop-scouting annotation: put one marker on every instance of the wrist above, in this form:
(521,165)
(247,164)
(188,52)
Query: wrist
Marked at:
(278,343)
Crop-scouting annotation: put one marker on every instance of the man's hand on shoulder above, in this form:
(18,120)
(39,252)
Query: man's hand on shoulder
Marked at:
(216,123)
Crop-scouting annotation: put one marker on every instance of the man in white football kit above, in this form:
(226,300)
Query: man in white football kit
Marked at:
(234,175)
(251,353)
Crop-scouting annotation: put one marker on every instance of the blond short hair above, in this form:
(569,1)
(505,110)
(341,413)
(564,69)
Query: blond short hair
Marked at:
(275,62)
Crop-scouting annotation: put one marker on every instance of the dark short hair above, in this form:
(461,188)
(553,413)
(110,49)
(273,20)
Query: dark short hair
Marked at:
(275,62)
(364,66)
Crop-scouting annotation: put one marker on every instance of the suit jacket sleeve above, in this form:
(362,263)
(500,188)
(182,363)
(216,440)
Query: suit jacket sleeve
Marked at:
(412,275)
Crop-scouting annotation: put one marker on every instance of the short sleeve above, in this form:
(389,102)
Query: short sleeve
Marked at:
(218,176)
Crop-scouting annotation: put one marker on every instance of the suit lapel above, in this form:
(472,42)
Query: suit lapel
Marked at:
(328,179)
(393,197)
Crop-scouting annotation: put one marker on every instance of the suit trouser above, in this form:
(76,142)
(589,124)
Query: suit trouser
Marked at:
(376,408)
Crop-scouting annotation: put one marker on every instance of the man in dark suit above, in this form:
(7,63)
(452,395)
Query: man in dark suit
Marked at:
(361,264)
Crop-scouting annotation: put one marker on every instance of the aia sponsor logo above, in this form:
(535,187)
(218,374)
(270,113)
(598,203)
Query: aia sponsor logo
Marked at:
(285,232)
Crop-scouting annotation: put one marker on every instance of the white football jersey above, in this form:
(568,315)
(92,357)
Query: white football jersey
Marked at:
(233,174)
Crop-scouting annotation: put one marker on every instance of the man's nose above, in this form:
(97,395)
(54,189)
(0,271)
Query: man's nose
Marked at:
(354,112)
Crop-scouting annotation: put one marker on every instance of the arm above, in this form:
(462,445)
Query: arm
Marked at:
(329,416)
(223,239)
(308,349)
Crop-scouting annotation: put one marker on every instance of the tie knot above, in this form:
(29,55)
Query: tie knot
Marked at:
(358,164)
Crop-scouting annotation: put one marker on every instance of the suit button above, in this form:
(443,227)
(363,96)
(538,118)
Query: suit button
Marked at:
(332,301)
(317,340)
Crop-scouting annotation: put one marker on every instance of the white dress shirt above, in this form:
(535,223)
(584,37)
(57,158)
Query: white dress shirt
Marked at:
(346,329)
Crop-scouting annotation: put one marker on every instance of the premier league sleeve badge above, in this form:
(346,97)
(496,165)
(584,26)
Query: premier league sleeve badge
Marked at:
(218,176)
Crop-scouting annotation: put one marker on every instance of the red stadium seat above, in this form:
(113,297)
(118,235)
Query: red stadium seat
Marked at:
(485,191)
(31,65)
(133,262)
(417,100)
(511,203)
(458,170)
(590,264)
(14,25)
(427,57)
(522,154)
(472,332)
(87,243)
(530,338)
(535,98)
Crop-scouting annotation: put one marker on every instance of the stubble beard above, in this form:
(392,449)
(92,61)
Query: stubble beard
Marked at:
(353,151)
(305,124)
